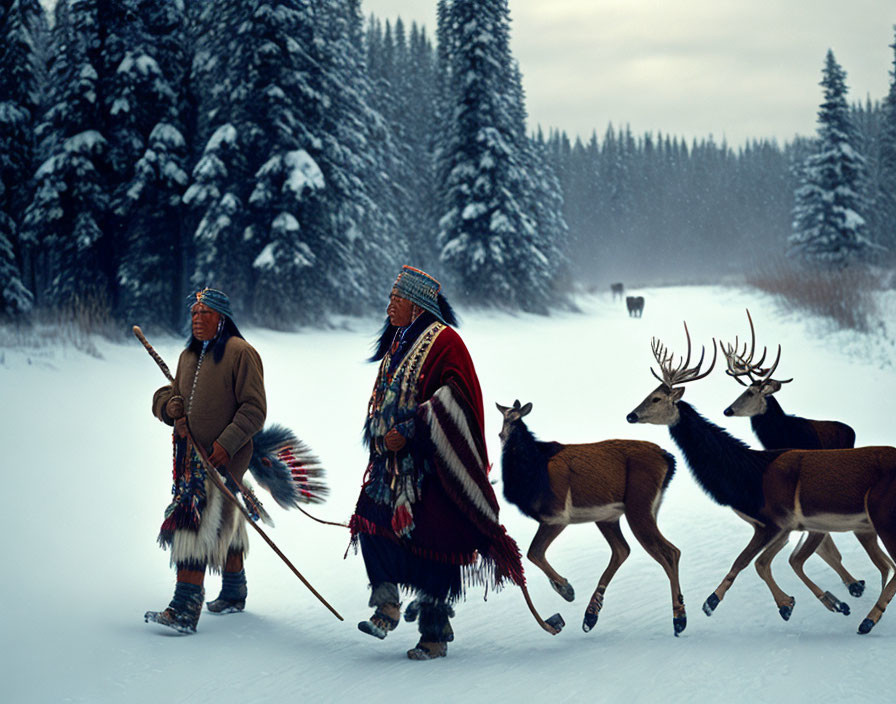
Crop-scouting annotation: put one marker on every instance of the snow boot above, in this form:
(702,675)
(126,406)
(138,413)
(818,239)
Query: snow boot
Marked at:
(384,619)
(183,612)
(435,629)
(388,610)
(428,651)
(232,598)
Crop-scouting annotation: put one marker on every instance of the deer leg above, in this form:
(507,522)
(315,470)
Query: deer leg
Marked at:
(886,595)
(648,534)
(880,559)
(763,566)
(762,536)
(828,552)
(814,542)
(620,551)
(544,536)
(881,507)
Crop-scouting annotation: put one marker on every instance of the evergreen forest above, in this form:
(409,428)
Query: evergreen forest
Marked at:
(295,153)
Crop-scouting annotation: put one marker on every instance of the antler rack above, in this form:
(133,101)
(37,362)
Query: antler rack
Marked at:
(740,364)
(672,374)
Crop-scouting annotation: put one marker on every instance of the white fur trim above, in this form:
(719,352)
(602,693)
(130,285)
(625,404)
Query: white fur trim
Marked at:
(221,529)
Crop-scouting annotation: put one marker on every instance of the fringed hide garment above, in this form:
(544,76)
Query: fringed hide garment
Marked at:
(427,517)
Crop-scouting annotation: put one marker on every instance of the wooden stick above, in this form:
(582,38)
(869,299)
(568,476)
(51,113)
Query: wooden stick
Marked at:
(215,476)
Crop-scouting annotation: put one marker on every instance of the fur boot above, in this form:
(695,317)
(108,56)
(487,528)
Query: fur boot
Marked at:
(232,598)
(435,628)
(183,612)
(387,614)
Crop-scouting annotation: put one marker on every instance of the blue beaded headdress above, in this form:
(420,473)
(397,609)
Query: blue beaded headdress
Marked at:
(420,288)
(214,299)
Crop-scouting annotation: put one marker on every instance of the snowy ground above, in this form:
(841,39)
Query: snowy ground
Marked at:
(88,479)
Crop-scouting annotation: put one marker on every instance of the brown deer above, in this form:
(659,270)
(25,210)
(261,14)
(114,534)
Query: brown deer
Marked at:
(598,482)
(635,306)
(776,491)
(775,429)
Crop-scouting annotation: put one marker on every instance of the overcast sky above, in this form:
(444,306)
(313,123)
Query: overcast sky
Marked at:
(735,69)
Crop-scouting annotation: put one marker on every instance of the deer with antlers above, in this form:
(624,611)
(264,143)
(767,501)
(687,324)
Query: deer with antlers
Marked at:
(776,491)
(776,429)
(598,482)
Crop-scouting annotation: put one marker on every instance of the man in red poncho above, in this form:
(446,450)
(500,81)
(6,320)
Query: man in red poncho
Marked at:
(427,517)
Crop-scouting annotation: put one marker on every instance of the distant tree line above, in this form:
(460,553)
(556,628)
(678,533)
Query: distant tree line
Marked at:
(295,155)
(657,209)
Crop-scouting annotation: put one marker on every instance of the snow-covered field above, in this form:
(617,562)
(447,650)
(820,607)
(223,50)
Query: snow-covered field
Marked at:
(87,476)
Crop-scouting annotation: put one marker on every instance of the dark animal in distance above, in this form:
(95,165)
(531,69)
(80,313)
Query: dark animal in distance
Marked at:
(617,289)
(635,306)
(558,484)
(777,491)
(776,430)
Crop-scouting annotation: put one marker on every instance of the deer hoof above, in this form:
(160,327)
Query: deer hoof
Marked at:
(834,604)
(856,589)
(564,589)
(786,610)
(866,626)
(590,621)
(710,604)
(679,623)
(556,622)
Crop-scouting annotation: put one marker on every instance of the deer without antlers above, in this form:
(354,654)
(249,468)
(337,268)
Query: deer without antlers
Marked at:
(775,429)
(777,491)
(559,484)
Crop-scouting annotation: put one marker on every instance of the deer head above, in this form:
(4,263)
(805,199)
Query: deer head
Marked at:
(660,406)
(511,416)
(752,401)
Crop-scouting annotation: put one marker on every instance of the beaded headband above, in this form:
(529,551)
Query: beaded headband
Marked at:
(214,299)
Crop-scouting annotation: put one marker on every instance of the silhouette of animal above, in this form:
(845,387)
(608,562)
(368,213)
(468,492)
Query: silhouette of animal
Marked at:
(618,290)
(635,305)
(558,484)
(777,491)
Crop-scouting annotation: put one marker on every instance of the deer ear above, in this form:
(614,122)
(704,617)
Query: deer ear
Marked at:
(770,386)
(677,393)
(501,408)
(525,410)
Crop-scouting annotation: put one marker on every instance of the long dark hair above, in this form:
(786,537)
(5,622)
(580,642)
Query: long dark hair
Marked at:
(387,332)
(228,330)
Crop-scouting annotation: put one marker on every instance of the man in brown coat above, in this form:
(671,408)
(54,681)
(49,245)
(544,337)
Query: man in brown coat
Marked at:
(218,394)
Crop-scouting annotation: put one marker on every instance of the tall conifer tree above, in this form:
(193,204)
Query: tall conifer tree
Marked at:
(488,231)
(886,193)
(828,227)
(23,30)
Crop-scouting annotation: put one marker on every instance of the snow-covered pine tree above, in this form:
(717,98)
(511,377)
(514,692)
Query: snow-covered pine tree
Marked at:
(362,241)
(404,82)
(278,119)
(150,108)
(828,227)
(886,192)
(23,30)
(69,210)
(541,263)
(254,68)
(487,233)
(215,199)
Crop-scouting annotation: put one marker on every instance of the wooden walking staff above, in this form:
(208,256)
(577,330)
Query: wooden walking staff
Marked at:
(215,476)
